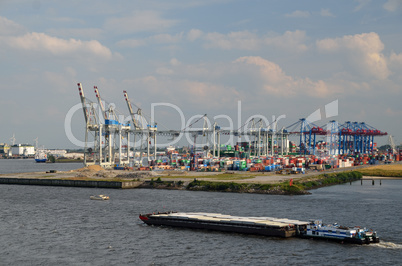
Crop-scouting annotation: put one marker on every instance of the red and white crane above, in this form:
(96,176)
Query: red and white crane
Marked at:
(83,101)
(100,103)
(130,109)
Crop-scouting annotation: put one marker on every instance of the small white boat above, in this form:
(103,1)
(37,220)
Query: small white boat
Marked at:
(99,197)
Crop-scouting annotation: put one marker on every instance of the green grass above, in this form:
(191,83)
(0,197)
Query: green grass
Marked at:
(216,186)
(215,177)
(329,179)
(69,161)
(299,187)
(380,172)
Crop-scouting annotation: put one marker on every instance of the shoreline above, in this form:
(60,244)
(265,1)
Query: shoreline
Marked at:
(227,181)
(240,182)
(381,177)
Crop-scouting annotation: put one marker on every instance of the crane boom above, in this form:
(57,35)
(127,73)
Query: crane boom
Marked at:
(130,109)
(100,102)
(392,144)
(83,101)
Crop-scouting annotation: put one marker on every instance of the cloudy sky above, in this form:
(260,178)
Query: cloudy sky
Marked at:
(277,57)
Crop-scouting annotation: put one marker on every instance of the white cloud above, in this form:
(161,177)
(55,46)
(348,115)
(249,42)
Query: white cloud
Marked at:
(326,13)
(273,80)
(40,42)
(363,52)
(392,5)
(395,63)
(132,43)
(159,38)
(242,22)
(243,40)
(139,22)
(396,58)
(164,71)
(293,41)
(174,62)
(184,92)
(290,40)
(298,14)
(166,38)
(9,27)
(249,78)
(60,80)
(82,33)
(361,4)
(194,34)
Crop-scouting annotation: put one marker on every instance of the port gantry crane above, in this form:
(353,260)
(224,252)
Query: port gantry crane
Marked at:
(265,138)
(392,145)
(138,129)
(108,133)
(356,138)
(91,126)
(348,138)
(115,131)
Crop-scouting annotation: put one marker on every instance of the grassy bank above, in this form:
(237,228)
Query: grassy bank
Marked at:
(299,187)
(217,177)
(391,170)
(69,161)
(277,189)
(329,180)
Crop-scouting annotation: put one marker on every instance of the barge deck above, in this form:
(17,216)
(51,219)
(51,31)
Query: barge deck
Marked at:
(266,226)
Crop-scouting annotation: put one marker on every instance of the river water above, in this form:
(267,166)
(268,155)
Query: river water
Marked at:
(8,166)
(62,226)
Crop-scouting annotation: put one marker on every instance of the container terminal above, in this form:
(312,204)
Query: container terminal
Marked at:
(266,226)
(267,149)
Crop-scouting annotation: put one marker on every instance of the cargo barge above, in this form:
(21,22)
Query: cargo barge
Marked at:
(266,226)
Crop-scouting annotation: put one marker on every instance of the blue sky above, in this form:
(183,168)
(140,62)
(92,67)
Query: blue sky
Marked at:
(276,57)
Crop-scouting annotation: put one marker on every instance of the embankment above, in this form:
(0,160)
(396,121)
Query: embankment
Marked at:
(390,170)
(70,183)
(120,180)
(299,187)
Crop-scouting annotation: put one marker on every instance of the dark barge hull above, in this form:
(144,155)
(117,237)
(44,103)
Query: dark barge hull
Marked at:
(264,230)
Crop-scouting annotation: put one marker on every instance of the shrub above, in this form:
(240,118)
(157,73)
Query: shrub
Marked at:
(51,159)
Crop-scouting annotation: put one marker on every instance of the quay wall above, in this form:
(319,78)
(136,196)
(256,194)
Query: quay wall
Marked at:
(69,183)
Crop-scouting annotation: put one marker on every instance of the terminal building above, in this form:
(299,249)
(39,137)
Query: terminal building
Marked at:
(23,150)
(57,153)
(5,149)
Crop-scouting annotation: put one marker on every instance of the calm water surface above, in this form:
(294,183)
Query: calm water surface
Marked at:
(57,225)
(29,165)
